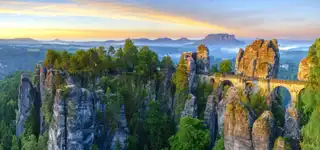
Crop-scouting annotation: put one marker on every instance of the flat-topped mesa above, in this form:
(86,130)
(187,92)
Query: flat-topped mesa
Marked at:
(203,62)
(259,59)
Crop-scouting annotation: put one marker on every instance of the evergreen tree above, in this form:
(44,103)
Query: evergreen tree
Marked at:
(192,134)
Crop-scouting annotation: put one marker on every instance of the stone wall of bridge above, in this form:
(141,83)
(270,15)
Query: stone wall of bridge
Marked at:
(266,85)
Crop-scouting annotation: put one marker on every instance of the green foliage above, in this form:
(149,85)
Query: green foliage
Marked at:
(225,66)
(148,63)
(181,84)
(286,143)
(213,69)
(219,145)
(15,144)
(157,125)
(166,63)
(111,51)
(311,132)
(203,90)
(225,90)
(309,104)
(31,125)
(256,102)
(130,55)
(192,134)
(51,58)
(9,89)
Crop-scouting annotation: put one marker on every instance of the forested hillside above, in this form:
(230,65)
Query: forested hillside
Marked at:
(126,98)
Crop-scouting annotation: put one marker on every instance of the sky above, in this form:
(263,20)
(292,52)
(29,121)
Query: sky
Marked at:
(120,19)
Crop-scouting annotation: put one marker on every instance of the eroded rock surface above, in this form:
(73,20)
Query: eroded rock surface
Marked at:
(190,60)
(259,59)
(237,123)
(291,128)
(26,100)
(210,117)
(304,69)
(263,132)
(203,62)
(237,127)
(72,125)
(190,107)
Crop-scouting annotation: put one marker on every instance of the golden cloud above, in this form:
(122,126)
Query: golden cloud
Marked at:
(111,10)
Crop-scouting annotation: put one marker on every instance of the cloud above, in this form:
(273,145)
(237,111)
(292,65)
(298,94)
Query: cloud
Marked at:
(110,10)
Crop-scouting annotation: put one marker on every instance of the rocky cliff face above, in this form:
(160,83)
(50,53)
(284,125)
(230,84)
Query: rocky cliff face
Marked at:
(25,103)
(291,127)
(210,117)
(190,60)
(263,132)
(203,62)
(190,107)
(304,69)
(73,119)
(237,127)
(259,59)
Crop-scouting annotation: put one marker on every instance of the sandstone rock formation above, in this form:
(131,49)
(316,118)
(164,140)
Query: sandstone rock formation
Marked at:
(190,107)
(210,117)
(304,69)
(26,100)
(237,127)
(190,60)
(291,127)
(260,59)
(203,62)
(281,144)
(238,122)
(263,132)
(231,95)
(73,125)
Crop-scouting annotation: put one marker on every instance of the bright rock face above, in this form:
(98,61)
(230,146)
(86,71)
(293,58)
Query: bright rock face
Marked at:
(237,123)
(304,69)
(190,107)
(260,59)
(25,103)
(263,132)
(203,62)
(191,65)
(237,128)
(73,119)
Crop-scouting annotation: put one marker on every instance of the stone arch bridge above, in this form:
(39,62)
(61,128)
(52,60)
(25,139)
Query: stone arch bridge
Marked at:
(266,85)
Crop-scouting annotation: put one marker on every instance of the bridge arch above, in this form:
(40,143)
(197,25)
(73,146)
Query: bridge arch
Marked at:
(282,95)
(223,87)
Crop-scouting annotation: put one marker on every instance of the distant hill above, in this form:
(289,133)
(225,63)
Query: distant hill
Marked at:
(19,41)
(220,39)
(211,39)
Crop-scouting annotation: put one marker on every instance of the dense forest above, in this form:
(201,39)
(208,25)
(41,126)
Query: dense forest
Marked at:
(133,78)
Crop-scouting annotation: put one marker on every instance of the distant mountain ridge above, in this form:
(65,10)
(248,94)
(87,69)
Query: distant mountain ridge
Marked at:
(211,39)
(220,39)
